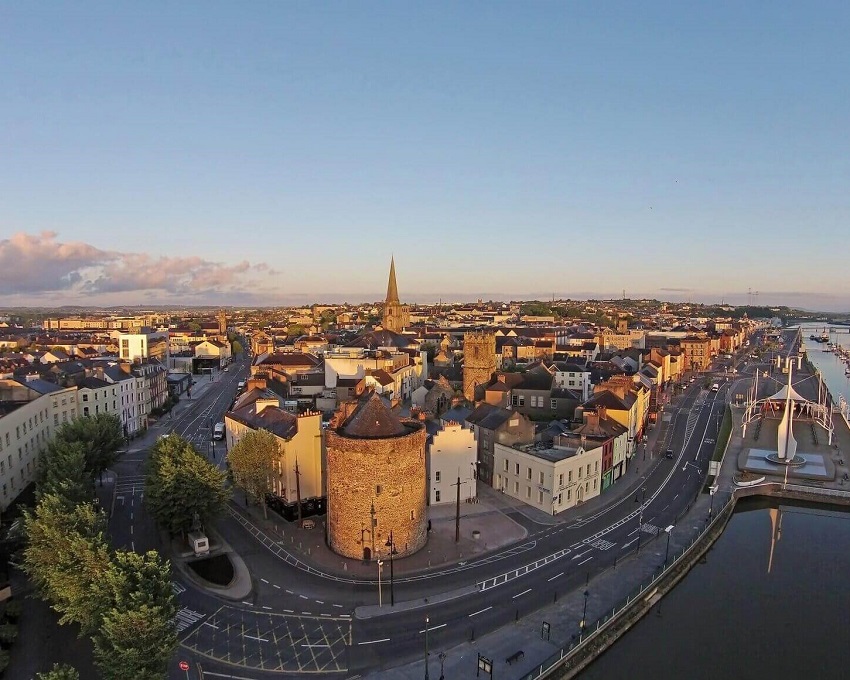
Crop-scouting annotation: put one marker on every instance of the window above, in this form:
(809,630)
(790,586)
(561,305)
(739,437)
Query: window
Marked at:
(579,471)
(86,411)
(596,466)
(528,473)
(527,491)
(55,418)
(516,468)
(412,515)
(561,479)
(594,483)
(522,401)
(569,494)
(586,486)
(437,476)
(437,496)
(85,397)
(540,477)
(553,404)
(540,498)
(506,464)
(570,476)
(378,490)
(588,469)
(516,488)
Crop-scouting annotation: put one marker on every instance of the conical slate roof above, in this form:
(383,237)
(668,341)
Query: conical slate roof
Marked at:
(373,420)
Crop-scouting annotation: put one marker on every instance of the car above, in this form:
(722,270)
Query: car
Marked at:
(669,454)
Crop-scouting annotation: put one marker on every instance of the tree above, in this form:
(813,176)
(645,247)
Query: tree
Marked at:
(135,643)
(67,558)
(253,461)
(63,672)
(63,472)
(101,434)
(181,485)
(236,347)
(295,330)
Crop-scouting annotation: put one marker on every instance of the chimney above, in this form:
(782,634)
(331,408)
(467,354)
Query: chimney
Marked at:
(255,382)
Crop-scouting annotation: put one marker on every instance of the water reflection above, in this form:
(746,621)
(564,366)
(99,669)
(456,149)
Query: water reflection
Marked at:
(769,602)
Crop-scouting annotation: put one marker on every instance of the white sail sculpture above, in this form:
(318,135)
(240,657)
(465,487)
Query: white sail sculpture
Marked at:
(786,443)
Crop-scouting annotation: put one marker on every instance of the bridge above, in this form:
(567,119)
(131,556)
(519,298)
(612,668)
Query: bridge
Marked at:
(827,329)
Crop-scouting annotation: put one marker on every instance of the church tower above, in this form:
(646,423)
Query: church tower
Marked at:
(479,361)
(396,315)
(222,323)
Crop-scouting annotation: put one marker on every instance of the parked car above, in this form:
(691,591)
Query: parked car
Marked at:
(670,454)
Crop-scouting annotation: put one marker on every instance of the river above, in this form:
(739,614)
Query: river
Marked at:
(828,363)
(732,618)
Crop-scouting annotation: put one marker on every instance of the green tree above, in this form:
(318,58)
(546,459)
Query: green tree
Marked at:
(295,330)
(63,672)
(236,347)
(180,485)
(67,558)
(253,461)
(62,471)
(102,436)
(135,643)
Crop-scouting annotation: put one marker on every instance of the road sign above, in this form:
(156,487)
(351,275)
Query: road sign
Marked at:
(184,665)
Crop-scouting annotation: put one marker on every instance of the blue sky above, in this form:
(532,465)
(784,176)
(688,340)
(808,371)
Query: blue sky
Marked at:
(282,151)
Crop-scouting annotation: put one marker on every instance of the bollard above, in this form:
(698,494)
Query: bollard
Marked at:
(345,566)
(308,551)
(472,635)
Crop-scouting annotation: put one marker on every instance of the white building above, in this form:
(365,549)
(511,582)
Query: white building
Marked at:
(551,479)
(451,454)
(407,373)
(30,412)
(573,377)
(146,344)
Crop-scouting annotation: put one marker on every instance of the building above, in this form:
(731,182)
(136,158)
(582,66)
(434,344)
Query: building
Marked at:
(30,413)
(299,439)
(479,361)
(492,425)
(697,352)
(452,459)
(549,478)
(396,315)
(376,481)
(146,344)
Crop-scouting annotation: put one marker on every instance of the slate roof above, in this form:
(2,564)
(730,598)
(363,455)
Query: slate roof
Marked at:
(489,417)
(383,338)
(372,419)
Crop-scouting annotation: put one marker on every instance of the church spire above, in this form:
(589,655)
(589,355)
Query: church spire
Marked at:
(392,288)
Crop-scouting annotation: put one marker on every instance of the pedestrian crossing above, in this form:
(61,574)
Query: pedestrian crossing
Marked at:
(178,587)
(129,484)
(185,618)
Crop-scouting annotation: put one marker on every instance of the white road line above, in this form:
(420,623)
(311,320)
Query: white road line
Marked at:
(258,639)
(337,605)
(207,623)
(626,545)
(319,602)
(555,576)
(374,642)
(289,611)
(265,607)
(133,546)
(131,528)
(528,590)
(315,645)
(581,554)
(432,628)
(248,603)
(583,561)
(224,675)
(290,592)
(481,611)
(303,597)
(307,613)
(264,580)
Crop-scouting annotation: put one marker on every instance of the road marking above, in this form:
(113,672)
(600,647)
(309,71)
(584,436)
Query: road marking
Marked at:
(303,597)
(337,605)
(319,602)
(626,545)
(275,585)
(374,642)
(555,576)
(289,591)
(131,528)
(581,554)
(583,561)
(528,590)
(258,639)
(432,628)
(207,623)
(307,613)
(318,644)
(133,546)
(289,611)
(224,675)
(481,611)
(265,607)
(264,580)
(248,603)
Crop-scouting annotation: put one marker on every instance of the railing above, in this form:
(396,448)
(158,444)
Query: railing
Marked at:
(565,656)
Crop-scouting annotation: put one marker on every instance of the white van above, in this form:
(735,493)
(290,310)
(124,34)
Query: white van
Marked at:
(218,431)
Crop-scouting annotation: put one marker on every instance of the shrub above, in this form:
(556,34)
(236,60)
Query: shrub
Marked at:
(13,609)
(8,633)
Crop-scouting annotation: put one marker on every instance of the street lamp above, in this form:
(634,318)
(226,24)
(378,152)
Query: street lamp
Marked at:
(712,490)
(584,613)
(640,518)
(391,545)
(427,621)
(669,531)
(380,564)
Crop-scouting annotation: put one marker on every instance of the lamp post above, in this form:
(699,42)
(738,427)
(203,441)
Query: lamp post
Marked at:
(584,613)
(711,491)
(391,545)
(640,518)
(427,621)
(380,564)
(669,531)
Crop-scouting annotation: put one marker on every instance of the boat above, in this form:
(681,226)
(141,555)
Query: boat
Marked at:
(824,337)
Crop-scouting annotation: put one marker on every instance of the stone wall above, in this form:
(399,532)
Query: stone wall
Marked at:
(389,473)
(479,361)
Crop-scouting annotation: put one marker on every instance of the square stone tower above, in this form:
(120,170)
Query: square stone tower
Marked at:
(479,361)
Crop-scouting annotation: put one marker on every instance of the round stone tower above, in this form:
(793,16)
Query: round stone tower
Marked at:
(376,481)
